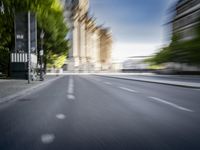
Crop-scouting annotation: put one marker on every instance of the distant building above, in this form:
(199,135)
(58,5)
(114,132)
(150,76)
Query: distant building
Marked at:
(186,18)
(90,44)
(136,63)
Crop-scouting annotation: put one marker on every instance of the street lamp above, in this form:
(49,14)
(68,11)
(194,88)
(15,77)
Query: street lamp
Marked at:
(41,55)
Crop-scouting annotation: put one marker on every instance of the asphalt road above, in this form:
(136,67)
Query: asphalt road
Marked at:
(182,78)
(99,113)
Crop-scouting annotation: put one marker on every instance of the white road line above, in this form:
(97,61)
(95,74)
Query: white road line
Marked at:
(47,138)
(71,86)
(69,96)
(171,104)
(108,83)
(70,91)
(60,116)
(129,90)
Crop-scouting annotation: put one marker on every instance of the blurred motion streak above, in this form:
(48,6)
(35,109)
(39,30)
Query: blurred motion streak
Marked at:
(90,44)
(183,53)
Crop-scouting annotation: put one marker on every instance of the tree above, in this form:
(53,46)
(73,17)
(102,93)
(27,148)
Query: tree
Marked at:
(180,51)
(50,19)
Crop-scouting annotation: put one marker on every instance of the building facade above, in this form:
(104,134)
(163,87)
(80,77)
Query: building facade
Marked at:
(105,48)
(86,38)
(187,16)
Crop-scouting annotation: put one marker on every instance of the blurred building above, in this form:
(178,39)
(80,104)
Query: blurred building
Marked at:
(184,25)
(186,18)
(105,48)
(90,44)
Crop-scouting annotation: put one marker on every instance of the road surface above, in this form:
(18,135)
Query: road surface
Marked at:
(99,113)
(180,78)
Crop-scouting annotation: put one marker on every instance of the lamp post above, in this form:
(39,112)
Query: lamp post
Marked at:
(41,55)
(29,48)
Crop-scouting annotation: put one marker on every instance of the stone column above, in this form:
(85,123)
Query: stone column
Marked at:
(88,49)
(98,66)
(76,40)
(82,46)
(96,50)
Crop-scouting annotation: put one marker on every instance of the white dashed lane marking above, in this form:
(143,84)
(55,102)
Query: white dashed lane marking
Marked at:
(171,104)
(60,116)
(129,90)
(47,138)
(108,83)
(70,92)
(69,96)
(71,86)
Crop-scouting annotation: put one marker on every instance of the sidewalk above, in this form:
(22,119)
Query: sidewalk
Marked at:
(159,80)
(13,89)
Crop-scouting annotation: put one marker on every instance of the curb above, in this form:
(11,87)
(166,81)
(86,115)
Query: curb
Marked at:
(156,82)
(28,91)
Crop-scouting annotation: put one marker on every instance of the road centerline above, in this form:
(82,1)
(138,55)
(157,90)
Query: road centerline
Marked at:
(71,86)
(60,116)
(170,104)
(69,96)
(70,92)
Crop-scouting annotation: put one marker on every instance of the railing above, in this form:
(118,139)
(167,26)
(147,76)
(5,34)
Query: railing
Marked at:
(19,57)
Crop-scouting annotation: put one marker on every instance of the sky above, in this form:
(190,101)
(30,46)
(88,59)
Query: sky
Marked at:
(137,25)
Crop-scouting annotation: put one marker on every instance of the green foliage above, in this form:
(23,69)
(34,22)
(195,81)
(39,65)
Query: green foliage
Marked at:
(163,56)
(180,51)
(56,61)
(50,19)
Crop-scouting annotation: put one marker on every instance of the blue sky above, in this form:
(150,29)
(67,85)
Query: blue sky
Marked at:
(137,25)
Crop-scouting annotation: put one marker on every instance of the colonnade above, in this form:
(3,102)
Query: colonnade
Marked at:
(86,39)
